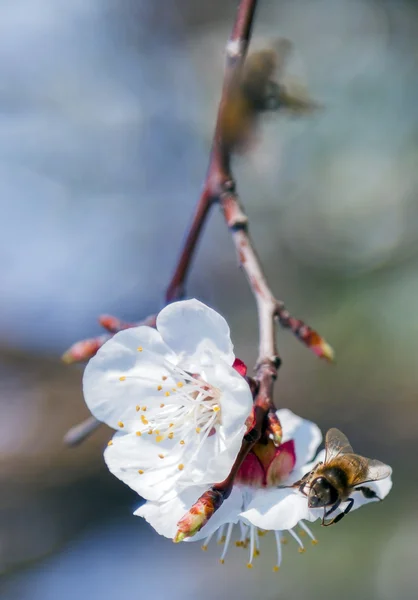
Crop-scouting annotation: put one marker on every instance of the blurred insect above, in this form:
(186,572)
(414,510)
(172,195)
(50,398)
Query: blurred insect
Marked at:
(259,89)
(332,482)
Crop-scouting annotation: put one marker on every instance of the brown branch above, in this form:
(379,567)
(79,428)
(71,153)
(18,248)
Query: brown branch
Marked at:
(218,165)
(219,186)
(221,183)
(218,171)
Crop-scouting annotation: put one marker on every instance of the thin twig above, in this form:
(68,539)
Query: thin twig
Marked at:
(82,431)
(219,186)
(221,183)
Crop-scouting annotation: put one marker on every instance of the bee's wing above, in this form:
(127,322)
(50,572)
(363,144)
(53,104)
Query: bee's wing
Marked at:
(336,443)
(374,470)
(283,48)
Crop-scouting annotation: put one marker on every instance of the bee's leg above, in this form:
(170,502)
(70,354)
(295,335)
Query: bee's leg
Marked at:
(329,511)
(300,484)
(368,493)
(341,515)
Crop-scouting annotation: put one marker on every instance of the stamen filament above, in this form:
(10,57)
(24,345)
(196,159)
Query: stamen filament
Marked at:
(308,531)
(279,548)
(227,540)
(298,540)
(252,544)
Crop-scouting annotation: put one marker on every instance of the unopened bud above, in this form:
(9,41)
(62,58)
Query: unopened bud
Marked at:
(85,349)
(198,515)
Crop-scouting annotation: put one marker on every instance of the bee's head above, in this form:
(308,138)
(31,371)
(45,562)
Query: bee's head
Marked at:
(321,493)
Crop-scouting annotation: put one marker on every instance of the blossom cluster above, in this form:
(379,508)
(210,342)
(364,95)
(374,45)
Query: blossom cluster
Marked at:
(180,403)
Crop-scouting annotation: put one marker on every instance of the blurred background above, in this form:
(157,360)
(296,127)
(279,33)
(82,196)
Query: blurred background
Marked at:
(106,114)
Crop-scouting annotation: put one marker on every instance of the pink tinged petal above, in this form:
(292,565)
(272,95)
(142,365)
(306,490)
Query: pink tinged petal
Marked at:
(240,367)
(164,516)
(150,469)
(282,464)
(251,472)
(306,435)
(125,373)
(194,331)
(278,509)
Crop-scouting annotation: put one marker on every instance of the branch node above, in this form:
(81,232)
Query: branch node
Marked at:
(234,49)
(235,218)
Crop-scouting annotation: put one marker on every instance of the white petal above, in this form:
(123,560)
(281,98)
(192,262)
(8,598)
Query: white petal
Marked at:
(136,461)
(165,516)
(279,509)
(192,330)
(382,489)
(220,450)
(213,464)
(236,397)
(112,400)
(306,435)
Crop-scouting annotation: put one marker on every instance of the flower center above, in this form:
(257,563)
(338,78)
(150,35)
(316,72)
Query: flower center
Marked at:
(184,411)
(249,538)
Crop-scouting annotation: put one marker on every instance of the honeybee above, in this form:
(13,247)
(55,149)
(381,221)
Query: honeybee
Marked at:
(333,481)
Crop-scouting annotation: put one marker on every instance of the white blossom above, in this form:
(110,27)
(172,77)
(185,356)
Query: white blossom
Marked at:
(173,395)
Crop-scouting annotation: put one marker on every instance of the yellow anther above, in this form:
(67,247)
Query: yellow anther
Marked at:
(150,432)
(182,442)
(222,540)
(137,408)
(180,467)
(120,424)
(144,408)
(144,420)
(167,394)
(284,540)
(173,389)
(197,429)
(138,433)
(238,544)
(162,405)
(204,547)
(256,552)
(140,348)
(301,550)
(276,568)
(216,408)
(140,471)
(159,438)
(164,377)
(161,455)
(110,443)
(249,566)
(180,384)
(159,388)
(157,432)
(170,436)
(221,560)
(171,425)
(302,533)
(122,378)
(261,532)
(314,542)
